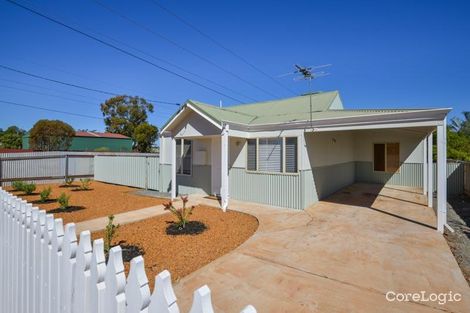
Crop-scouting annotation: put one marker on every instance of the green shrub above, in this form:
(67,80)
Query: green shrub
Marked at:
(69,181)
(63,201)
(85,184)
(18,185)
(29,188)
(109,233)
(45,194)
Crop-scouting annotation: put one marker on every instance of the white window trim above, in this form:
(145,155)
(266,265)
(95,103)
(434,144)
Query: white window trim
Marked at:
(181,157)
(385,156)
(257,171)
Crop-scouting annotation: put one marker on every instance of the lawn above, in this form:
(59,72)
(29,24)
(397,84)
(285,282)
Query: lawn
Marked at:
(101,200)
(183,254)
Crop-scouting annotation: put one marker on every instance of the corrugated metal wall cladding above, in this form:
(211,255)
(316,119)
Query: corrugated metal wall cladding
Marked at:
(269,188)
(411,174)
(140,172)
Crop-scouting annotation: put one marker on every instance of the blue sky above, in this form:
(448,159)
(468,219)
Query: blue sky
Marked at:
(384,54)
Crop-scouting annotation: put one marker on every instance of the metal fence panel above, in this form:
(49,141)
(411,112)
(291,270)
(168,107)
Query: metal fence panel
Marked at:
(135,171)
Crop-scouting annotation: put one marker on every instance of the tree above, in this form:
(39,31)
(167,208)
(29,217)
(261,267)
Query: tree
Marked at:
(458,145)
(11,138)
(128,116)
(144,136)
(51,135)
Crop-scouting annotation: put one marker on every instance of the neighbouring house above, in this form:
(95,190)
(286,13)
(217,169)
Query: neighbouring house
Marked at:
(94,141)
(293,152)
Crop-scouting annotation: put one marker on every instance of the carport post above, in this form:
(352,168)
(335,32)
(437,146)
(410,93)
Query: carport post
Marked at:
(224,168)
(173,168)
(425,166)
(430,174)
(441,177)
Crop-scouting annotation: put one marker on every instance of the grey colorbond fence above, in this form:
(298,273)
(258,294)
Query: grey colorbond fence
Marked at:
(43,167)
(467,178)
(141,171)
(51,166)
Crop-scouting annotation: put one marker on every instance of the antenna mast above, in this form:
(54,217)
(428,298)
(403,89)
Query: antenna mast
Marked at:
(308,73)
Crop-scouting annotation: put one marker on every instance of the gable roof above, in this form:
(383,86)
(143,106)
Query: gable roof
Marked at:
(287,111)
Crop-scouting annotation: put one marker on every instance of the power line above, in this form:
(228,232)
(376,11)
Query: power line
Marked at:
(220,45)
(44,94)
(49,110)
(73,85)
(120,50)
(56,96)
(48,88)
(159,35)
(111,10)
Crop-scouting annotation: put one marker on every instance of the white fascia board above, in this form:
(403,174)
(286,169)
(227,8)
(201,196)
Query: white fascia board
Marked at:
(378,126)
(219,126)
(183,109)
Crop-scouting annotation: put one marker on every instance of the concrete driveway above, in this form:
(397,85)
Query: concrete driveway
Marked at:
(342,255)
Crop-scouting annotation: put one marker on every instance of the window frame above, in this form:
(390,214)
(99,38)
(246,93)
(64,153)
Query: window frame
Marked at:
(181,157)
(385,157)
(283,156)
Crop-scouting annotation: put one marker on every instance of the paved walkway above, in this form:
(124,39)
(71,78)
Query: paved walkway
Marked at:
(342,255)
(121,218)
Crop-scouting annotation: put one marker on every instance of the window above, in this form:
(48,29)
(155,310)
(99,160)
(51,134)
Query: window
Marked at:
(386,157)
(252,157)
(276,155)
(183,156)
(291,155)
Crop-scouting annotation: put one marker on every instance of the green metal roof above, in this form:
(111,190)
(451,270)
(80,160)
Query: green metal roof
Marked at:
(294,109)
(285,110)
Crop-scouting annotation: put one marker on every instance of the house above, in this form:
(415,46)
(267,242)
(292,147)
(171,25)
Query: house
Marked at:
(95,141)
(293,152)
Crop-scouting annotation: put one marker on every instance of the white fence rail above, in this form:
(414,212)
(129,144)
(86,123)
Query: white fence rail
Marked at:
(45,269)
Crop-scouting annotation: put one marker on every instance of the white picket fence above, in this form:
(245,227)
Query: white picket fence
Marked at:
(44,269)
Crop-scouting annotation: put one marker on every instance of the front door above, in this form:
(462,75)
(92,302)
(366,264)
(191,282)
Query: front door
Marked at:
(216,165)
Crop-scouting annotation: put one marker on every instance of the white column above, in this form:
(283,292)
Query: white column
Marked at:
(441,177)
(224,194)
(173,168)
(430,174)
(425,166)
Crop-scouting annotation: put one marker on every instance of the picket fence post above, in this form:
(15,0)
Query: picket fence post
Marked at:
(45,269)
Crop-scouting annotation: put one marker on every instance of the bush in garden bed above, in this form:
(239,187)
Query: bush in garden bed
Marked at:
(183,225)
(45,194)
(63,201)
(18,185)
(29,188)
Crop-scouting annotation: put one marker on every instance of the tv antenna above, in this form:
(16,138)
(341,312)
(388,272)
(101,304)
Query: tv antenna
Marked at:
(308,73)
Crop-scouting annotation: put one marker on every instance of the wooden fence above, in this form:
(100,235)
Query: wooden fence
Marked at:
(467,178)
(45,269)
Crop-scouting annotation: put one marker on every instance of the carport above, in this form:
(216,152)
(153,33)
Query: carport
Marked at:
(381,137)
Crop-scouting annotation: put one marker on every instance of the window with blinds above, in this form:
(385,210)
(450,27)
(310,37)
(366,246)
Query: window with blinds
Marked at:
(275,155)
(387,157)
(291,155)
(270,155)
(183,156)
(251,160)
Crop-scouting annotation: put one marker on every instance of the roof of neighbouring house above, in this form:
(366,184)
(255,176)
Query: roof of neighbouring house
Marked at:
(99,135)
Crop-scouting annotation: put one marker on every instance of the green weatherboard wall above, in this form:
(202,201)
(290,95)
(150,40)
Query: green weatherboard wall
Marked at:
(93,143)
